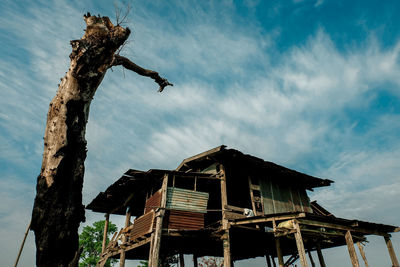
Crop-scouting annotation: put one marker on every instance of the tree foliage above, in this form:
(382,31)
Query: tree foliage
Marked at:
(91,240)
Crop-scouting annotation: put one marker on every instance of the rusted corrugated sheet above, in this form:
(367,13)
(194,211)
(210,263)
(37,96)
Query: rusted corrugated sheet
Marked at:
(184,220)
(153,202)
(142,225)
(186,200)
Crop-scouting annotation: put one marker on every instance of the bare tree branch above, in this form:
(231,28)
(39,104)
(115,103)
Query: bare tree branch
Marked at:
(126,63)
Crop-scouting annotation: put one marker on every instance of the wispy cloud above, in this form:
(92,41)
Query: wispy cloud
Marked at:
(305,107)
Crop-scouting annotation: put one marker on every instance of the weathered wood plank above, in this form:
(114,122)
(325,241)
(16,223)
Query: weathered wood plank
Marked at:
(270,219)
(103,245)
(156,242)
(352,251)
(268,260)
(392,254)
(341,227)
(299,244)
(124,239)
(225,223)
(311,258)
(279,252)
(361,249)
(320,256)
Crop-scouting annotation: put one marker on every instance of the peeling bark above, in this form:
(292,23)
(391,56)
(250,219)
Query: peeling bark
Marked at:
(58,208)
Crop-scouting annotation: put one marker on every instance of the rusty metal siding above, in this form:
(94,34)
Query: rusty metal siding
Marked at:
(142,225)
(184,220)
(186,200)
(153,202)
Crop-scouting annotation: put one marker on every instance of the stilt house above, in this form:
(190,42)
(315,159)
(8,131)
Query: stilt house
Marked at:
(228,204)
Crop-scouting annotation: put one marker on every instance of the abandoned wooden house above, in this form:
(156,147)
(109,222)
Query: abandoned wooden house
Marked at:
(228,204)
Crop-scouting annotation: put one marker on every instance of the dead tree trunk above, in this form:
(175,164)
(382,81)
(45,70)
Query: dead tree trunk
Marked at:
(58,208)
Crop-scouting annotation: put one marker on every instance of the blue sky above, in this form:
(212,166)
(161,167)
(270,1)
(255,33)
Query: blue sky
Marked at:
(311,85)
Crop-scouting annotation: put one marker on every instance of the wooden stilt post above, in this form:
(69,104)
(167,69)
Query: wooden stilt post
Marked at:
(311,258)
(127,223)
(278,247)
(392,254)
(300,244)
(103,245)
(352,251)
(181,260)
(268,260)
(279,252)
(155,245)
(360,247)
(195,263)
(273,261)
(225,223)
(320,256)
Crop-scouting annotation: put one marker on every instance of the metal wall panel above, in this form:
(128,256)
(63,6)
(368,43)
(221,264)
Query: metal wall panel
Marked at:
(142,225)
(278,197)
(186,200)
(153,202)
(184,220)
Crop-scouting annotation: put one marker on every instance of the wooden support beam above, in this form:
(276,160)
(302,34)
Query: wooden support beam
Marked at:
(299,244)
(268,260)
(253,204)
(225,223)
(311,258)
(320,256)
(269,219)
(181,260)
(392,254)
(127,223)
(103,245)
(354,227)
(360,247)
(195,263)
(279,252)
(155,244)
(352,251)
(273,261)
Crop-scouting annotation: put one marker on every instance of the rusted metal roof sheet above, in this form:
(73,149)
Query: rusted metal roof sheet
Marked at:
(186,200)
(141,226)
(185,220)
(153,202)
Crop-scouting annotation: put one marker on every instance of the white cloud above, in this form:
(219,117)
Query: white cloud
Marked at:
(227,91)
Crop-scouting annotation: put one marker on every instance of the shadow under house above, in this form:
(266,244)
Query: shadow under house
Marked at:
(228,204)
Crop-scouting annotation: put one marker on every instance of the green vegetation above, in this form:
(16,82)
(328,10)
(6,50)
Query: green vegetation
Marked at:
(91,240)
